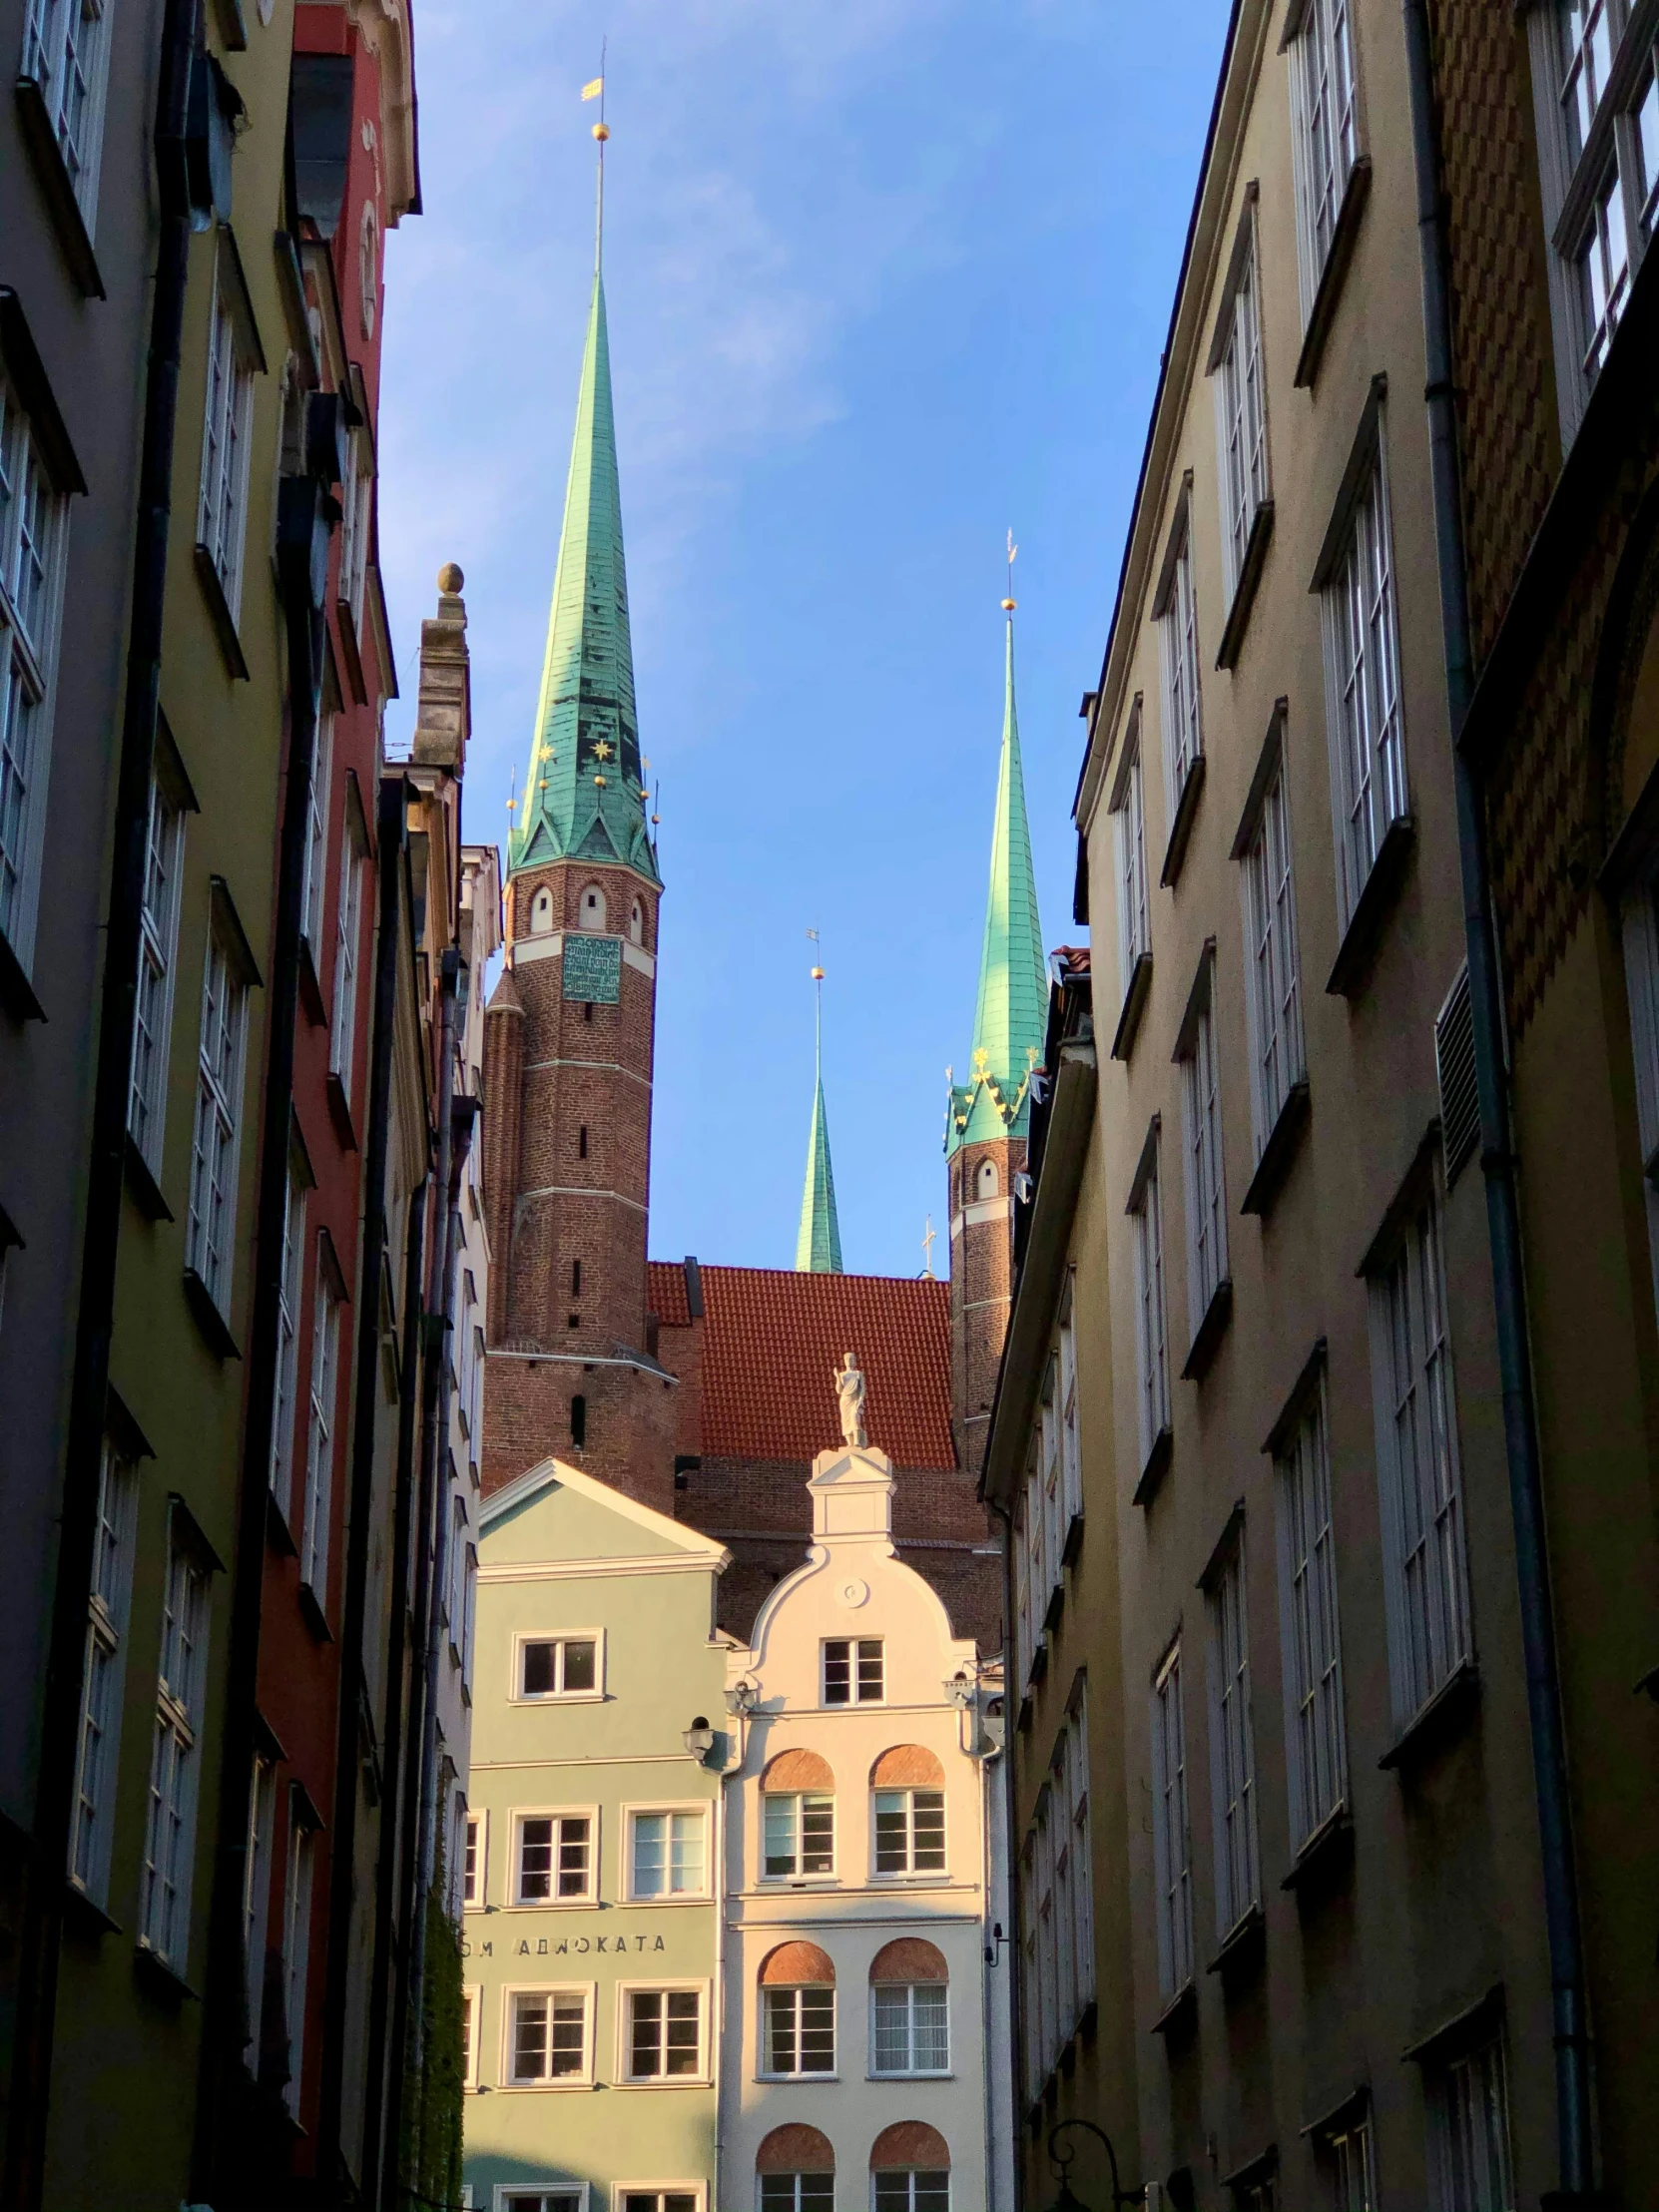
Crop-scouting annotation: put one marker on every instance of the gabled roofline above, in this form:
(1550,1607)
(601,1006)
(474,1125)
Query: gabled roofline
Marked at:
(551,1471)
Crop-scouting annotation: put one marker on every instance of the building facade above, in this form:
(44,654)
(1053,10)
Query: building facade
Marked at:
(592,1854)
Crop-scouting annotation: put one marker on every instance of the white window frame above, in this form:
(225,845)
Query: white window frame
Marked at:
(910,2072)
(291,1277)
(558,1814)
(1145,1210)
(1232,1744)
(165,1877)
(690,1809)
(908,2175)
(1243,468)
(163,857)
(216,1150)
(1181,689)
(477,1847)
(296,1943)
(854,1647)
(357,504)
(627,1995)
(317,839)
(1025,1631)
(1171,1829)
(518,1695)
(910,1871)
(227,433)
(1364,710)
(472,2020)
(1324,132)
(1310,1627)
(773,1996)
(321,1446)
(623,2192)
(66,55)
(1272,959)
(1126,809)
(1431,1633)
(1198,1055)
(518,1994)
(348,947)
(34,536)
(798,1800)
(1082,1847)
(767,2198)
(256,1897)
(103,1681)
(1471,2159)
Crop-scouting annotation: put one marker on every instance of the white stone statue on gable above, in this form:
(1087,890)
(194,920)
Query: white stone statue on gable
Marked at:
(849,1394)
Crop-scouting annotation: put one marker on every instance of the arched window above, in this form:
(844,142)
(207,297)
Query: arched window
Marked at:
(984,1181)
(910,2164)
(907,1799)
(579,1420)
(797,2011)
(797,2170)
(798,1817)
(636,923)
(909,2008)
(541,913)
(591,909)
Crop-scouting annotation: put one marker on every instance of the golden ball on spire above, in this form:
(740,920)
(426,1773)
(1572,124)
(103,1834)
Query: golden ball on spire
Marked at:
(1008,606)
(601,132)
(817,975)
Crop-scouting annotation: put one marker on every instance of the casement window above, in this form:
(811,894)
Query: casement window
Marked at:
(1257,2191)
(256,1897)
(1082,1855)
(1356,581)
(1128,818)
(472,1869)
(454,1596)
(1241,405)
(661,2200)
(1151,1335)
(470,1619)
(799,2031)
(1063,1926)
(472,2005)
(555,1857)
(669,1854)
(798,1829)
(1346,2159)
(1170,1836)
(853,1671)
(912,2028)
(164,853)
(316,839)
(169,1830)
(222,508)
(296,1943)
(1278,1056)
(320,1442)
(797,2193)
(454,1857)
(1316,1744)
(910,1832)
(66,45)
(1175,611)
(1197,1055)
(1471,2165)
(287,1380)
(1325,121)
(33,530)
(1048,1990)
(1071,1450)
(1037,2067)
(549,2037)
(1024,1637)
(476,1406)
(1232,1746)
(1595,83)
(105,1673)
(217,1139)
(1052,1479)
(465,1334)
(1639,927)
(559,1666)
(1426,1578)
(357,504)
(663,2034)
(348,931)
(913,2189)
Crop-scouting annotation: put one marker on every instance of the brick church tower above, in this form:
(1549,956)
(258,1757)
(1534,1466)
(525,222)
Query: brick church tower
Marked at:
(989,1115)
(568,1043)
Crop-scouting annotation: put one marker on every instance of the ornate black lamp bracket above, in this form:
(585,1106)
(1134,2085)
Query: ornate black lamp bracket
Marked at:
(1061,2160)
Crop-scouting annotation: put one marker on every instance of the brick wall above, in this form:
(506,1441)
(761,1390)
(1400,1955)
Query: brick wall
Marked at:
(631,1414)
(982,1284)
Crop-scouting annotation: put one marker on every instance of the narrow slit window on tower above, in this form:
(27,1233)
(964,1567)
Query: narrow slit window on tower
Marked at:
(587,1009)
(582,1142)
(575,1277)
(579,1420)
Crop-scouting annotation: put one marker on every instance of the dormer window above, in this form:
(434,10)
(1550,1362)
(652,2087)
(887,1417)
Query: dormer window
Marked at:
(592,910)
(541,913)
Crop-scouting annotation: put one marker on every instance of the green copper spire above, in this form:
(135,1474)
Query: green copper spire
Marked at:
(817,1244)
(584,796)
(1012,1013)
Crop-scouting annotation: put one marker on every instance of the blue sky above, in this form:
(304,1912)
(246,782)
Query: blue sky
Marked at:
(884,278)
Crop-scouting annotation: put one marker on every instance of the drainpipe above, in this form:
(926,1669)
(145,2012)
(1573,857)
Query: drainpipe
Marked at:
(1520,1424)
(1011,1694)
(31,2083)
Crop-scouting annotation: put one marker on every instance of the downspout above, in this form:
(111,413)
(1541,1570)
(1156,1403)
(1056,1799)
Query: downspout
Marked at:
(411,1956)
(1011,1692)
(1520,1425)
(389,843)
(31,2082)
(987,1948)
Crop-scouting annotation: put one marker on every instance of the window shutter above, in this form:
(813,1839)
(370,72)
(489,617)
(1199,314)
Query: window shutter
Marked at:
(1454,1067)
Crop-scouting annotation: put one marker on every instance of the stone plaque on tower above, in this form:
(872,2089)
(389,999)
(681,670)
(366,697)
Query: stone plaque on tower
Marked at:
(592,969)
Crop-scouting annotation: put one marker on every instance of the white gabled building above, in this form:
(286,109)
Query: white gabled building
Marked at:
(865,2059)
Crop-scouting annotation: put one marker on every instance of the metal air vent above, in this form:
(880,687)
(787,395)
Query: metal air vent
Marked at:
(1454,1067)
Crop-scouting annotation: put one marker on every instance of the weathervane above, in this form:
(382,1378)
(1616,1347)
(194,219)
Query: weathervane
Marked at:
(927,1244)
(1010,602)
(594,89)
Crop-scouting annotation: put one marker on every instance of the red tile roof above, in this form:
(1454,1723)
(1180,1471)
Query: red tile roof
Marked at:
(772,1339)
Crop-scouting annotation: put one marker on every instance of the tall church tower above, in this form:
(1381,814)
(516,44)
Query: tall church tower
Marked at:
(568,1041)
(988,1116)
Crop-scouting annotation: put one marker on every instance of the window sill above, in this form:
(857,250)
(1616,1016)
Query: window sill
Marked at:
(930,1877)
(1073,1544)
(224,623)
(215,1330)
(559,1697)
(1157,1462)
(1056,1606)
(1329,291)
(1279,1152)
(340,1106)
(1243,1948)
(1134,1005)
(277,1532)
(349,651)
(1179,2014)
(1361,939)
(1038,1670)
(82,1912)
(17,993)
(1209,1332)
(799,1881)
(310,986)
(310,1606)
(1181,829)
(1324,1856)
(915,2073)
(1435,1724)
(541,2088)
(811,2078)
(697,2082)
(1244,592)
(58,187)
(154,1976)
(1023,1718)
(142,1187)
(233,24)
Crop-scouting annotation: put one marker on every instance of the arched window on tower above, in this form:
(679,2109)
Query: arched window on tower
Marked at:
(541,913)
(591,909)
(984,1181)
(579,1420)
(636,923)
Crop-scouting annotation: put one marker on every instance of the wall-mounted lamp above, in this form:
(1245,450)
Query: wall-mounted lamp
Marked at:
(1061,2163)
(743,1698)
(699,1739)
(959,1689)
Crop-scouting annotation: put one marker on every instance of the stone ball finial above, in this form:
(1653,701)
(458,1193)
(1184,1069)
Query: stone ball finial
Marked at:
(450,579)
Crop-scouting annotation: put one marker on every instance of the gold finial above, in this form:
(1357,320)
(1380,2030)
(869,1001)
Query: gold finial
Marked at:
(1010,604)
(601,132)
